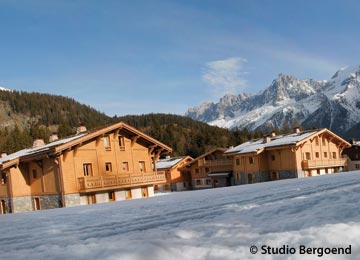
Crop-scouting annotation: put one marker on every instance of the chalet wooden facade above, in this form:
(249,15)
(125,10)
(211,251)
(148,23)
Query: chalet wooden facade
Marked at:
(114,163)
(353,155)
(297,155)
(175,179)
(210,170)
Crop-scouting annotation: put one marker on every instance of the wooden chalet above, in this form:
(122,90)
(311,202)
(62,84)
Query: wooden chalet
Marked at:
(114,163)
(210,170)
(296,155)
(175,179)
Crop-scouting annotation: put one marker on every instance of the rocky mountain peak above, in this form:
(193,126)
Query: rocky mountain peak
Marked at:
(334,104)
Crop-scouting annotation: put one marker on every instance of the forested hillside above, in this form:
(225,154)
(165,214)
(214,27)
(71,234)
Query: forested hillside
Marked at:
(27,116)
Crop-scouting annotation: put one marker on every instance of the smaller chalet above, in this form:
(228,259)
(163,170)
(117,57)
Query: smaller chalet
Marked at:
(296,155)
(175,180)
(353,155)
(210,170)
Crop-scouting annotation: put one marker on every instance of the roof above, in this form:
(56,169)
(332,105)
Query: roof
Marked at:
(60,145)
(206,154)
(294,139)
(169,162)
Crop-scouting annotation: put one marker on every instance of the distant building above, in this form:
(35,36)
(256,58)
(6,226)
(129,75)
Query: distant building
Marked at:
(210,170)
(114,163)
(353,155)
(297,155)
(175,180)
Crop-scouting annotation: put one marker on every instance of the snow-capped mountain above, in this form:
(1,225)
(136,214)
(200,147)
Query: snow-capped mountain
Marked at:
(4,89)
(334,104)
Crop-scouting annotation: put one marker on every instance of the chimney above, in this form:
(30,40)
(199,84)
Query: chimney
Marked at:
(81,129)
(267,139)
(38,143)
(297,130)
(273,134)
(53,137)
(167,157)
(3,154)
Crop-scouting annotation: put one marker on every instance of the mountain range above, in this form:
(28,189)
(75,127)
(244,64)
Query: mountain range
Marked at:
(334,104)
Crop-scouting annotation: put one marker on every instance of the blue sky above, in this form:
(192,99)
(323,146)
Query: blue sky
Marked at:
(134,57)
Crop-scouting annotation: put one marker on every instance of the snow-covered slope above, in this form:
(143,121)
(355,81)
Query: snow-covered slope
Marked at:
(209,224)
(313,103)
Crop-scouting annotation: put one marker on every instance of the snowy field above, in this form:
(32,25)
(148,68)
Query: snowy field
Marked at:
(210,224)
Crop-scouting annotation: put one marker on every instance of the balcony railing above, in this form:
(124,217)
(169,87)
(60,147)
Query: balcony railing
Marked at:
(123,180)
(217,162)
(308,164)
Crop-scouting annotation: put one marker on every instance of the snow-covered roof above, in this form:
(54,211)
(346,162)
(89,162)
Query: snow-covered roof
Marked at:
(168,162)
(47,147)
(255,146)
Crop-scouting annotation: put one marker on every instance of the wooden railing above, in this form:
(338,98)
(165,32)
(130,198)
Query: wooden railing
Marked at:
(217,162)
(123,180)
(308,164)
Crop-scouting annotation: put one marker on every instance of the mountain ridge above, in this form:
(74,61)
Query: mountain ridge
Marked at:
(334,104)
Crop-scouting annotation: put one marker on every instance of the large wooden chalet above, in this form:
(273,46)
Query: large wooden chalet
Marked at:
(296,155)
(114,163)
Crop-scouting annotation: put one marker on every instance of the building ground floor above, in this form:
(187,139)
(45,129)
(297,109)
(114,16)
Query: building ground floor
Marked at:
(168,187)
(249,178)
(51,201)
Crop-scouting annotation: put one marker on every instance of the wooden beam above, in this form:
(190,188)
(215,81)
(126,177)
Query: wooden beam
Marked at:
(134,139)
(151,149)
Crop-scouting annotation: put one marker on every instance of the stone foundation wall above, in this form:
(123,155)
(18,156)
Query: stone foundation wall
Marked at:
(72,200)
(22,204)
(49,201)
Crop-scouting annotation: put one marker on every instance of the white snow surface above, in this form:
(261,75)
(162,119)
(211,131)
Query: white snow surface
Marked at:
(209,224)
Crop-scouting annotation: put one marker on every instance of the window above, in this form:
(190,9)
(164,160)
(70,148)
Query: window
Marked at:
(125,166)
(91,199)
(34,173)
(326,170)
(37,203)
(184,184)
(307,156)
(108,167)
(208,182)
(317,154)
(274,176)
(156,187)
(318,171)
(238,176)
(87,167)
(316,141)
(251,160)
(237,161)
(357,166)
(107,143)
(198,182)
(122,143)
(250,178)
(3,207)
(323,141)
(334,155)
(166,187)
(144,192)
(111,195)
(197,170)
(325,154)
(142,166)
(3,178)
(128,194)
(207,169)
(273,157)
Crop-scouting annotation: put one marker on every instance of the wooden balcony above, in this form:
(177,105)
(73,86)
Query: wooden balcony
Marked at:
(311,164)
(123,180)
(217,162)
